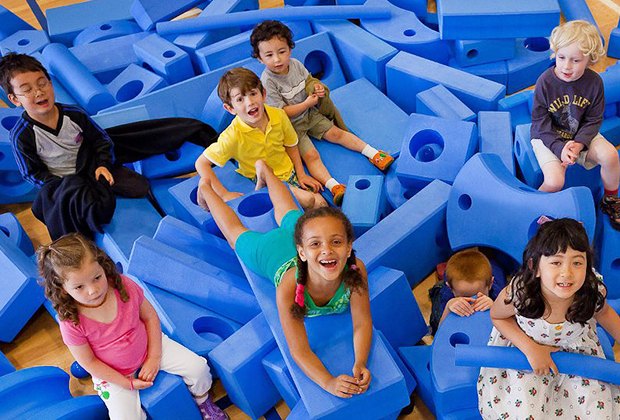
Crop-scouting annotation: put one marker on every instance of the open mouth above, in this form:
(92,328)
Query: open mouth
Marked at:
(253,112)
(564,285)
(42,102)
(328,263)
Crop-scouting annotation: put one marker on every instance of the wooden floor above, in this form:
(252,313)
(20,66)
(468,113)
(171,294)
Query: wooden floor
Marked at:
(39,343)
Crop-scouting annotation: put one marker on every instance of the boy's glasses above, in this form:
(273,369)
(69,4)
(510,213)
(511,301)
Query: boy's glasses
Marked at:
(31,92)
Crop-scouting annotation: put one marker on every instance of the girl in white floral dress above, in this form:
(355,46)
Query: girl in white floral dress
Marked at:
(552,303)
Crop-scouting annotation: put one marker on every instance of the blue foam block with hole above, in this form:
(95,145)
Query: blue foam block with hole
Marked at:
(193,279)
(172,163)
(488,19)
(488,206)
(613,47)
(419,220)
(365,202)
(165,58)
(132,218)
(134,82)
(11,23)
(532,58)
(434,148)
(481,51)
(607,245)
(405,32)
(85,407)
(397,194)
(359,103)
(14,189)
(407,75)
(148,12)
(495,136)
(106,30)
(360,53)
(418,360)
(440,102)
(169,398)
(280,376)
(12,229)
(26,41)
(237,361)
(318,56)
(519,107)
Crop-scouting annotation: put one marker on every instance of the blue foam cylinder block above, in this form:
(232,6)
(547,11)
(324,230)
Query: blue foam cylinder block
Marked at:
(577,10)
(12,229)
(171,163)
(440,102)
(106,30)
(418,360)
(365,202)
(24,42)
(148,12)
(78,371)
(11,23)
(165,58)
(481,51)
(495,136)
(485,194)
(133,82)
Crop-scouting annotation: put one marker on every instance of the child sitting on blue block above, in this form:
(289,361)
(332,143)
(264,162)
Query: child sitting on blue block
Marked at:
(113,331)
(258,131)
(310,259)
(567,114)
(290,86)
(467,286)
(553,303)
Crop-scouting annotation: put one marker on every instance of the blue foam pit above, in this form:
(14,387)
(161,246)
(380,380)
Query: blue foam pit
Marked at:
(440,102)
(495,136)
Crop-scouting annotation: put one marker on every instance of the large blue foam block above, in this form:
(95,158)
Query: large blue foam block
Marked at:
(11,23)
(280,376)
(107,30)
(495,136)
(24,42)
(418,360)
(481,51)
(532,58)
(165,58)
(171,163)
(365,202)
(519,107)
(440,102)
(133,82)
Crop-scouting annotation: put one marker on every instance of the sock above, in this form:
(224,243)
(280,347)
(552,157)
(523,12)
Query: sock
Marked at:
(612,193)
(369,151)
(331,183)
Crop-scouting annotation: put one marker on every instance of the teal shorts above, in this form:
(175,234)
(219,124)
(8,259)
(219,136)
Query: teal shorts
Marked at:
(264,253)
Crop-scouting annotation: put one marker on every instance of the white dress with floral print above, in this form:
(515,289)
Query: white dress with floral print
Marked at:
(514,394)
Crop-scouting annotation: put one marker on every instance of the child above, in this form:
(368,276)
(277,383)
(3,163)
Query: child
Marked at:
(258,131)
(286,80)
(552,303)
(313,266)
(568,111)
(113,331)
(469,287)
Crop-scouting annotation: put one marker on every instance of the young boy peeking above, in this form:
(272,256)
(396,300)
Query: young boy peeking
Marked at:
(258,131)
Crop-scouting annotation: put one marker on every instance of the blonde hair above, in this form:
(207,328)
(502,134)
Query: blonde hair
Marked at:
(470,266)
(584,33)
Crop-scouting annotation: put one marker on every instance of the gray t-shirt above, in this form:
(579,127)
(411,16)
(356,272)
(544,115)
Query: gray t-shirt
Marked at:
(59,150)
(286,89)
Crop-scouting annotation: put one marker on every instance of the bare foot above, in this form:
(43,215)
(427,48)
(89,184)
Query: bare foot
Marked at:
(261,166)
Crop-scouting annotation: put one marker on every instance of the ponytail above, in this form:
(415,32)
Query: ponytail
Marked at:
(298,308)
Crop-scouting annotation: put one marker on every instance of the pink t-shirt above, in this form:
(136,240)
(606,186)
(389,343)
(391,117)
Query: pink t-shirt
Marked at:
(121,344)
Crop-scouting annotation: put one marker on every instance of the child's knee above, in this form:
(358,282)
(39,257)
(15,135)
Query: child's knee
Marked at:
(553,183)
(311,156)
(334,134)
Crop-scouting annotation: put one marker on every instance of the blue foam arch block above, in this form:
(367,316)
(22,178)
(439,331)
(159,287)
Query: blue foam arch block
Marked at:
(85,407)
(165,58)
(455,386)
(106,30)
(214,113)
(318,56)
(481,51)
(14,189)
(238,363)
(360,53)
(482,193)
(532,58)
(407,74)
(132,218)
(12,229)
(133,82)
(77,79)
(5,365)
(519,107)
(8,119)
(169,398)
(27,41)
(171,163)
(495,136)
(607,245)
(365,202)
(406,32)
(360,99)
(488,19)
(148,12)
(440,102)
(193,279)
(418,360)
(280,376)
(419,220)
(11,23)
(434,148)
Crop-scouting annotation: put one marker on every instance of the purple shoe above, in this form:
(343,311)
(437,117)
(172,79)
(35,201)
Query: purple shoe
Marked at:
(210,411)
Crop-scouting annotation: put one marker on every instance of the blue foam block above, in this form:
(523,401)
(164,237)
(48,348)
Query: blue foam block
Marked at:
(440,102)
(165,58)
(26,41)
(106,30)
(299,412)
(485,195)
(531,60)
(12,229)
(171,163)
(613,47)
(192,279)
(611,82)
(11,23)
(8,119)
(148,12)
(13,188)
(495,136)
(169,398)
(418,360)
(159,188)
(238,363)
(407,75)
(359,102)
(496,71)
(455,386)
(419,220)
(126,116)
(607,245)
(397,194)
(132,218)
(519,107)
(85,407)
(365,202)
(5,365)
(610,129)
(405,32)
(20,295)
(318,56)
(577,9)
(488,19)
(214,113)
(280,376)
(434,148)
(409,379)
(481,51)
(133,82)
(360,53)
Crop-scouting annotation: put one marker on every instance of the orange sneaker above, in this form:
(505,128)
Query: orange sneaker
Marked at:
(382,160)
(338,193)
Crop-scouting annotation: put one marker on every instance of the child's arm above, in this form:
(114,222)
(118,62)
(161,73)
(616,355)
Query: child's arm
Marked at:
(609,320)
(203,167)
(304,179)
(362,330)
(590,122)
(150,367)
(294,110)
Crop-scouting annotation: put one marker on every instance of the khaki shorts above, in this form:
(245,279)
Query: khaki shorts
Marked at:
(312,124)
(544,155)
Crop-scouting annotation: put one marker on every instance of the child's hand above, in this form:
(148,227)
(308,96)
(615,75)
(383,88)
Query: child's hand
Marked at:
(539,358)
(149,369)
(482,303)
(309,183)
(103,171)
(568,154)
(319,90)
(362,374)
(462,306)
(312,100)
(343,386)
(140,384)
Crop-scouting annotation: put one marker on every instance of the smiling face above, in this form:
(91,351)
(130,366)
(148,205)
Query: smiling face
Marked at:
(249,106)
(88,285)
(33,91)
(275,53)
(562,274)
(570,63)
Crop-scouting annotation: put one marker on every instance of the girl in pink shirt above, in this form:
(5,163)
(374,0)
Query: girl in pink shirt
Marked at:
(113,331)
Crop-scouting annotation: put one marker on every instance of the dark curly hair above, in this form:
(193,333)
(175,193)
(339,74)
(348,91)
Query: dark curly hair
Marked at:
(352,276)
(66,254)
(554,237)
(269,29)
(14,63)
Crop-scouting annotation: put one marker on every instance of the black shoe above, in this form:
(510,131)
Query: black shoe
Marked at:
(610,205)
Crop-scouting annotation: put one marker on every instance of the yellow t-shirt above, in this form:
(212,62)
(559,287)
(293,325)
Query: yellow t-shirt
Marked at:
(246,145)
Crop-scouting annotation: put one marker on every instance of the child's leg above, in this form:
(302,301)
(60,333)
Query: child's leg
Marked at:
(380,159)
(313,162)
(554,174)
(279,193)
(308,199)
(122,404)
(605,154)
